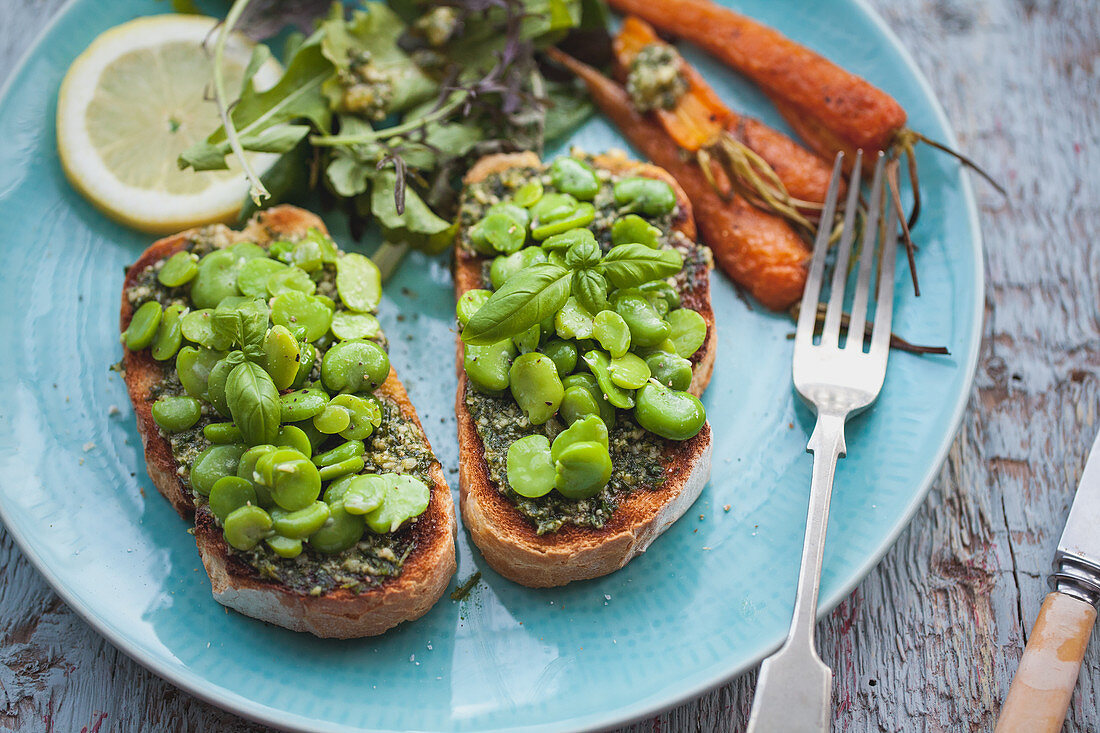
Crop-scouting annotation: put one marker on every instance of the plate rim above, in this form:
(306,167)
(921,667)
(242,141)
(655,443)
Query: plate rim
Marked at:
(177,674)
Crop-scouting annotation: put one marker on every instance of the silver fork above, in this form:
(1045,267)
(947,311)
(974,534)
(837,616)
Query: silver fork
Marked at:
(794,688)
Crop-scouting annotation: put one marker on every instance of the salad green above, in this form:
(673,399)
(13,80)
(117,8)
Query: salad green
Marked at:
(386,105)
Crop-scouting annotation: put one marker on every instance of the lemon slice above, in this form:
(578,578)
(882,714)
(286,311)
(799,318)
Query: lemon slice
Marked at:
(132,102)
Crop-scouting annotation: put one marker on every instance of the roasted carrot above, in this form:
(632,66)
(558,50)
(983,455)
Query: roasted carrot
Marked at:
(819,137)
(701,117)
(758,250)
(855,112)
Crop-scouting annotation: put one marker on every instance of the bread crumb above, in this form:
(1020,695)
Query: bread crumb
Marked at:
(89,446)
(113,410)
(726,508)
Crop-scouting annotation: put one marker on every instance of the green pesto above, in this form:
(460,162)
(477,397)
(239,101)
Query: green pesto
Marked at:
(635,454)
(395,446)
(358,569)
(655,80)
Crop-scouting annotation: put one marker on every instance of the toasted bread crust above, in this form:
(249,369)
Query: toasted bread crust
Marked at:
(508,540)
(340,613)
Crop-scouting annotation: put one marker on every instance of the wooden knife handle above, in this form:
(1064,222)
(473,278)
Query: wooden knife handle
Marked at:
(1040,692)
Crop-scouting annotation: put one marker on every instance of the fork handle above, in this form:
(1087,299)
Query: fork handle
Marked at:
(794,690)
(827,445)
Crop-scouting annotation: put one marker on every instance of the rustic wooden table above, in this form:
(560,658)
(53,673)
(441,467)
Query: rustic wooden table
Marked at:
(930,639)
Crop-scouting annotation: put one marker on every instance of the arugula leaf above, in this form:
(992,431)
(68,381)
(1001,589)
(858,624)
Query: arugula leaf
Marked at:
(525,299)
(293,42)
(351,168)
(590,289)
(296,96)
(630,265)
(373,31)
(417,218)
(567,107)
(275,139)
(261,54)
(446,140)
(348,176)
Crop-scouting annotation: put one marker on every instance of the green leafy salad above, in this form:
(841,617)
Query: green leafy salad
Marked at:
(384,106)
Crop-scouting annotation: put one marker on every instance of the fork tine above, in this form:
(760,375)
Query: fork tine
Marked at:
(858,320)
(830,334)
(884,305)
(807,313)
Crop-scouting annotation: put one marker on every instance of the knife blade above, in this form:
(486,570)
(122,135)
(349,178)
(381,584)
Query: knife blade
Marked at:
(1041,690)
(1081,538)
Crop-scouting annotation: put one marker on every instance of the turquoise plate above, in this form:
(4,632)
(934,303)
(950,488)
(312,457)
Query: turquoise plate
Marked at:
(708,600)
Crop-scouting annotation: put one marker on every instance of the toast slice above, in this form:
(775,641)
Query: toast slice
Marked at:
(507,539)
(338,612)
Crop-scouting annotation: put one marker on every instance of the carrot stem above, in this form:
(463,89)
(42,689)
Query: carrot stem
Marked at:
(702,124)
(758,250)
(895,194)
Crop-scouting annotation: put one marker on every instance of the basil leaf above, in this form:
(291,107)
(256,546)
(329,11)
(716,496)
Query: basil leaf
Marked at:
(583,254)
(630,265)
(590,289)
(243,323)
(527,298)
(253,403)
